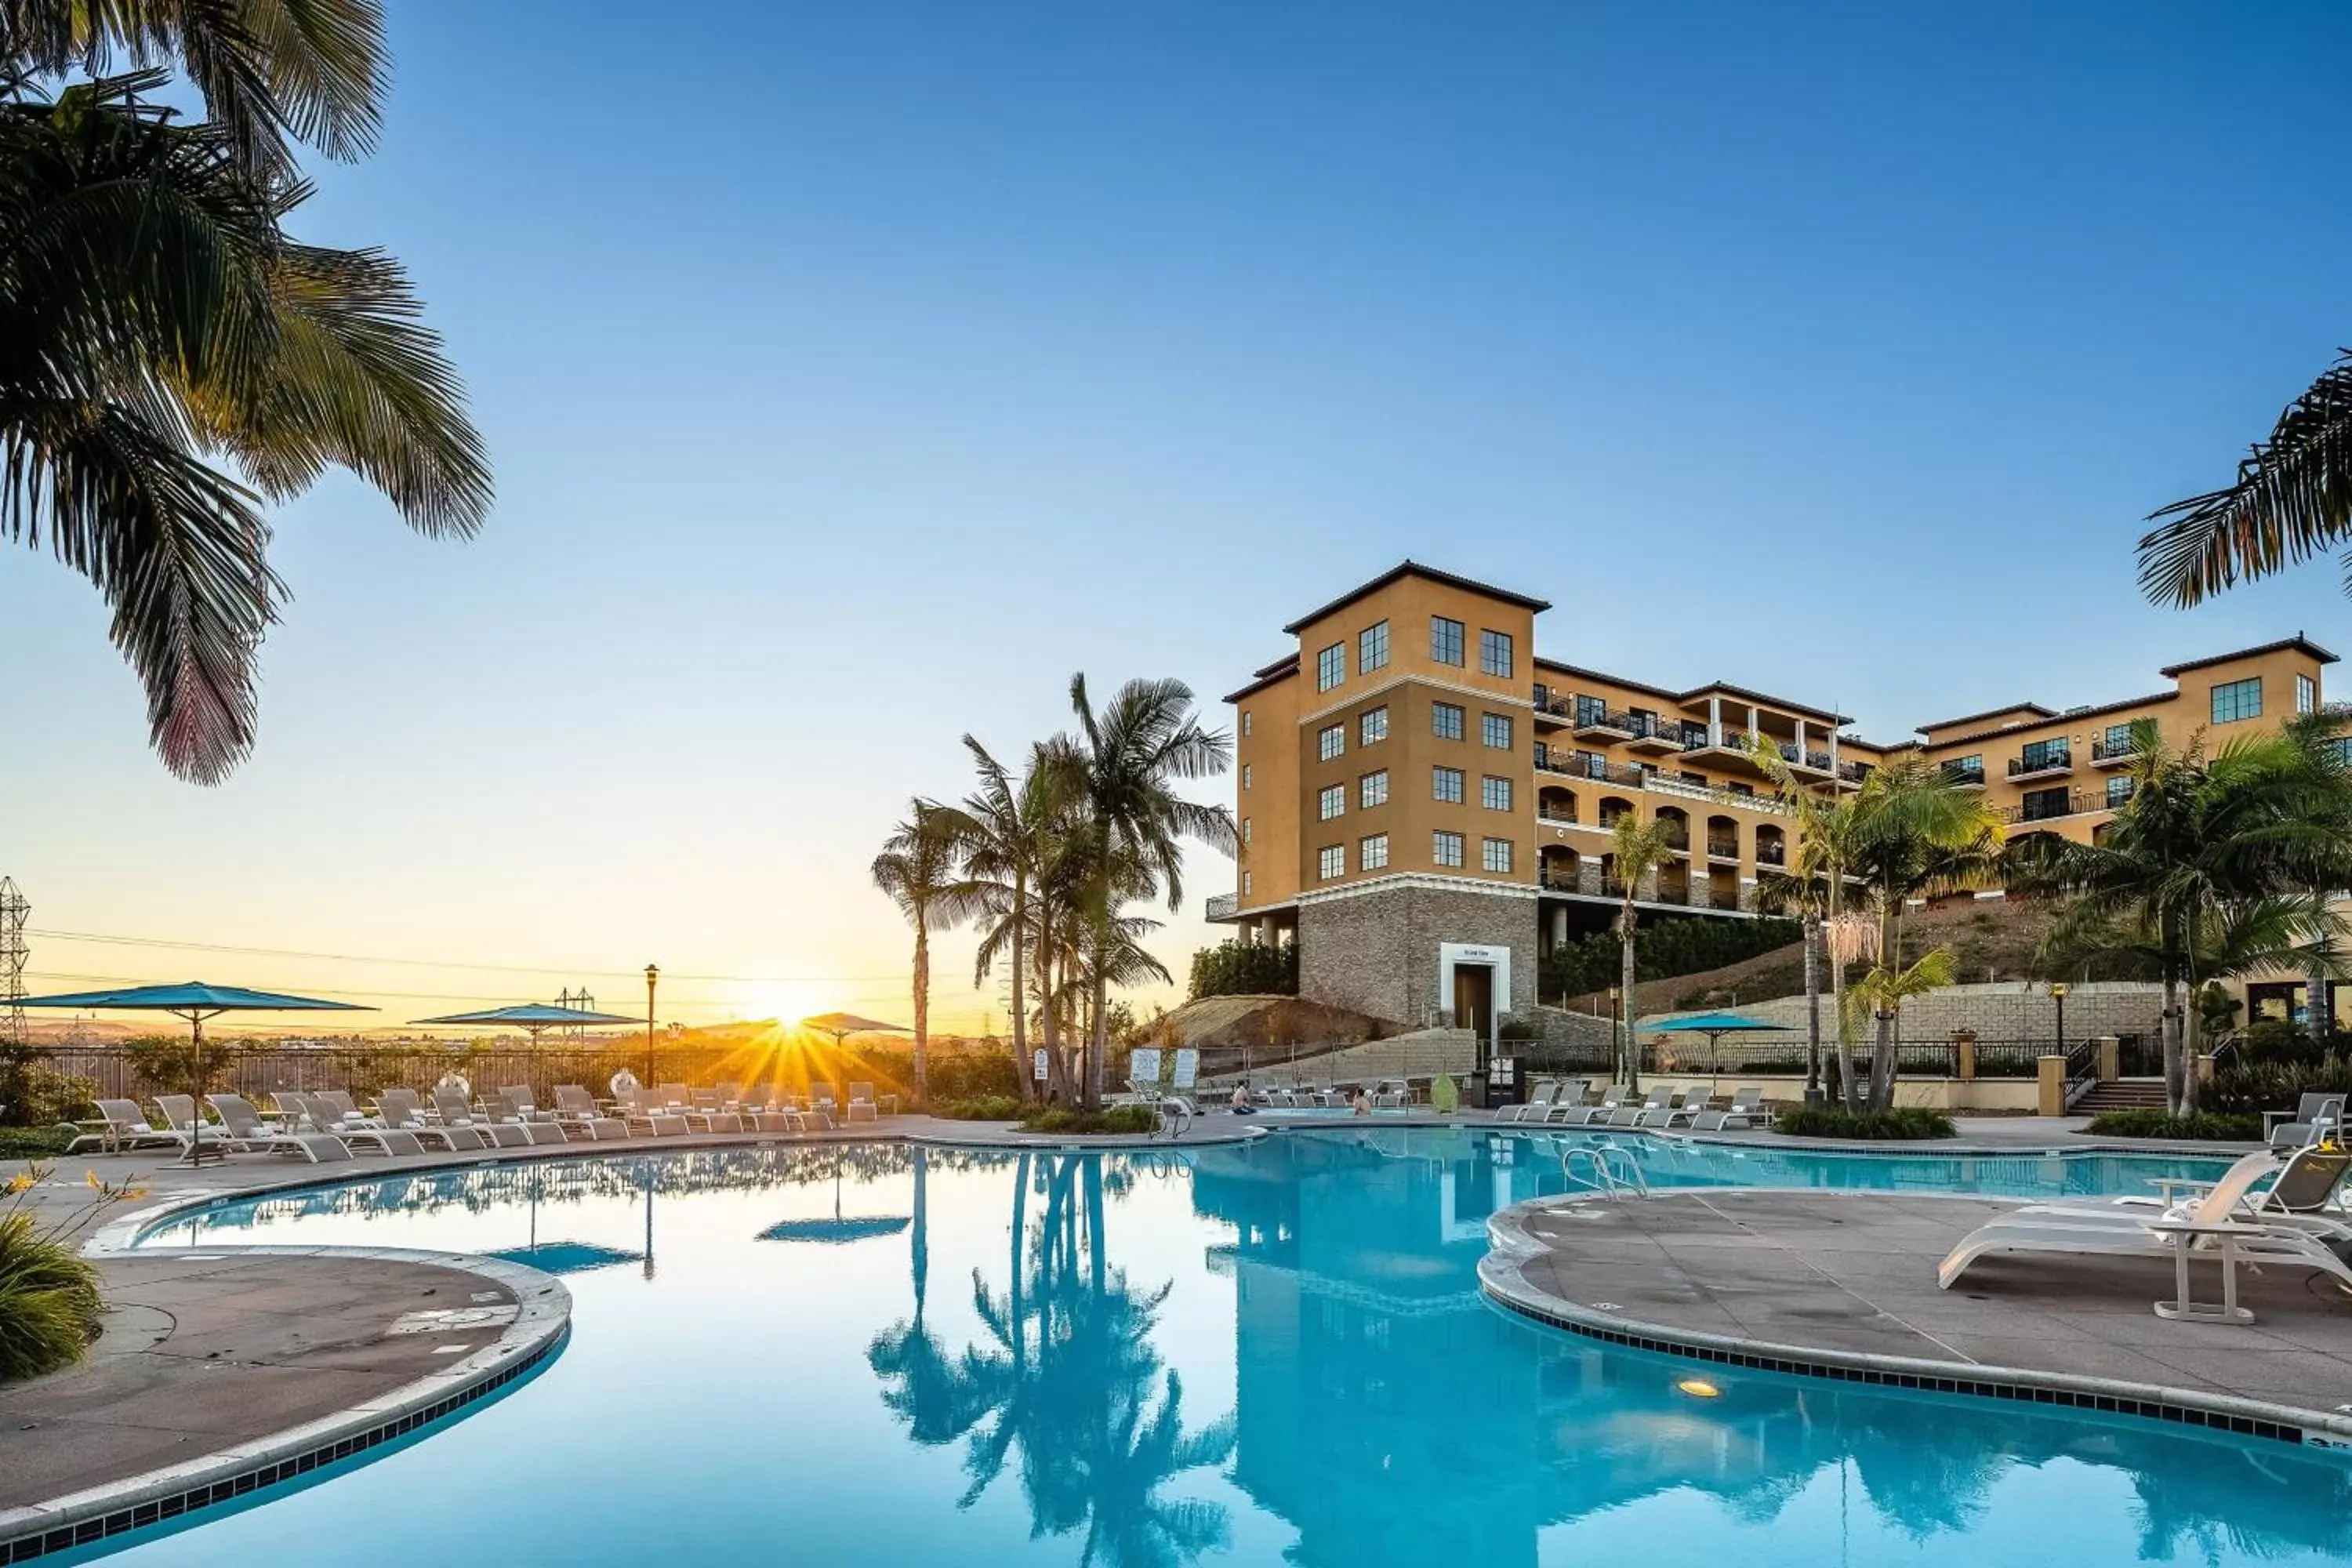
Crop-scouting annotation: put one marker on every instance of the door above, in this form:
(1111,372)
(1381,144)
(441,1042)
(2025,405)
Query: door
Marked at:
(1474,999)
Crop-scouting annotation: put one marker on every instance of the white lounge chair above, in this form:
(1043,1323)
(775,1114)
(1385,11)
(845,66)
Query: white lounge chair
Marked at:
(646,1115)
(2220,1221)
(247,1131)
(1661,1112)
(457,1112)
(324,1118)
(2315,1116)
(400,1110)
(1537,1105)
(770,1109)
(121,1125)
(1660,1101)
(1746,1109)
(577,1116)
(1612,1100)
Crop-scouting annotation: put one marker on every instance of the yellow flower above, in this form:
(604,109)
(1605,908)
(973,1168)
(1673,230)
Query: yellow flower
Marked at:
(19,1182)
(95,1184)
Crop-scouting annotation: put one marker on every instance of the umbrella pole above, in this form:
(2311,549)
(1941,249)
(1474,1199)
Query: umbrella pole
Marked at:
(196,1076)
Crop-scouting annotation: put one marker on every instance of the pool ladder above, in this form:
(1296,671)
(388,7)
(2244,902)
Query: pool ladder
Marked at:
(1614,1171)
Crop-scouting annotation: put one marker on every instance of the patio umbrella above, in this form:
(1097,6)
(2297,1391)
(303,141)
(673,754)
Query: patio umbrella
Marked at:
(1715,1026)
(855,1227)
(196,1002)
(841,1026)
(534,1018)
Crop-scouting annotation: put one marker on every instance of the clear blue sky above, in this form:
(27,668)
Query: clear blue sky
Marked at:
(854,373)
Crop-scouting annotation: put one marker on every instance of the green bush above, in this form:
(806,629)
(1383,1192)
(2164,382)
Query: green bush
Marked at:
(49,1303)
(2251,1088)
(167,1064)
(2148,1122)
(34,1142)
(1661,952)
(2271,1043)
(981,1107)
(1903,1122)
(1117,1118)
(1237,969)
(34,1094)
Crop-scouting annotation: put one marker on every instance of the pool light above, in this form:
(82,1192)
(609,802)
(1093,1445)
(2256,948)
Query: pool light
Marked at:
(1699,1388)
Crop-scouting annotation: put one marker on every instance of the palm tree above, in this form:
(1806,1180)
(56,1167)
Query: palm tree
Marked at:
(918,871)
(1815,886)
(2292,500)
(1884,989)
(1917,830)
(159,328)
(1638,848)
(1131,756)
(2199,836)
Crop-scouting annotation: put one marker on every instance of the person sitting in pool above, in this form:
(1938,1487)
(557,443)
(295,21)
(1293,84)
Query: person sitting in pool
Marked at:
(1241,1101)
(1363,1101)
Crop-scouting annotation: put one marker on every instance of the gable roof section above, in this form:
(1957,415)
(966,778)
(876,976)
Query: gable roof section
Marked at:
(1415,569)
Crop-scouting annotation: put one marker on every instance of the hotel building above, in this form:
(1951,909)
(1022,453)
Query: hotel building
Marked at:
(1426,802)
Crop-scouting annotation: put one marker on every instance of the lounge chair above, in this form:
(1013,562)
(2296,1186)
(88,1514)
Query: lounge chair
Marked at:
(1571,1098)
(2314,1114)
(516,1109)
(577,1116)
(770,1109)
(1391,1094)
(1662,1112)
(2222,1213)
(1612,1100)
(400,1109)
(324,1118)
(344,1107)
(121,1125)
(1536,1106)
(249,1133)
(861,1100)
(703,1105)
(457,1112)
(645,1113)
(2307,1194)
(675,1097)
(822,1103)
(1660,1101)
(1746,1109)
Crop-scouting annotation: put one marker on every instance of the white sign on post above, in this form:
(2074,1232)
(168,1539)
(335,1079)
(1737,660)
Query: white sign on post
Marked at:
(1038,1065)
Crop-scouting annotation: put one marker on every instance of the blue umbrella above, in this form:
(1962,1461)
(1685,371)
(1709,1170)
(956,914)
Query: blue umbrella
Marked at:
(1715,1026)
(196,1002)
(533,1019)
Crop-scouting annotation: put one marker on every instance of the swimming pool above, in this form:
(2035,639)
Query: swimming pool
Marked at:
(1252,1353)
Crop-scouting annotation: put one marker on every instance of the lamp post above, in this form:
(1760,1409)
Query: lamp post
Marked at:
(2058,997)
(653,975)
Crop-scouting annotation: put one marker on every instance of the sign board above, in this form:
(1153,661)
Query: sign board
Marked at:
(1143,1066)
(1187,1069)
(1502,1072)
(1038,1065)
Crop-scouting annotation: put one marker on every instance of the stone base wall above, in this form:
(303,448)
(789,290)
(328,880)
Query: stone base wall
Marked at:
(1377,952)
(2004,1010)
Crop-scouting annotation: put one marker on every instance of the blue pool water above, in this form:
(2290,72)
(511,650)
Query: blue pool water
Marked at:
(1263,1353)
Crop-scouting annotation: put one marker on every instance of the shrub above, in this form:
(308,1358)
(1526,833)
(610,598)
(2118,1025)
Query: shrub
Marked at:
(2254,1087)
(2148,1122)
(2271,1043)
(170,1064)
(1903,1122)
(35,1095)
(981,1107)
(1235,969)
(49,1302)
(1117,1118)
(34,1142)
(1661,952)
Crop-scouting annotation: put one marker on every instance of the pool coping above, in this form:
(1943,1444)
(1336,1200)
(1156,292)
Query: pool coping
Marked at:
(543,1325)
(1502,1277)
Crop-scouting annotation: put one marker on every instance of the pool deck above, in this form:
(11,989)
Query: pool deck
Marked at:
(1843,1285)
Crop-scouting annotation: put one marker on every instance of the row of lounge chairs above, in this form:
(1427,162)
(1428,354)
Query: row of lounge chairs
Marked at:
(1562,1103)
(329,1125)
(1386,1094)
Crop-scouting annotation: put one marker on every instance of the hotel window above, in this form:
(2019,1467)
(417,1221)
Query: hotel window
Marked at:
(2238,700)
(1372,648)
(1495,728)
(1495,793)
(2038,754)
(1330,667)
(1372,853)
(1446,721)
(1494,654)
(1445,848)
(1245,829)
(1373,728)
(1445,784)
(1372,790)
(1245,723)
(1494,854)
(1444,640)
(1967,770)
(2120,790)
(1330,861)
(1245,775)
(2306,694)
(2116,740)
(2041,804)
(1330,741)
(1590,710)
(1246,884)
(1331,801)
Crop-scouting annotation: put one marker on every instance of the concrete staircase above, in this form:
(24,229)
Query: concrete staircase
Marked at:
(2122,1094)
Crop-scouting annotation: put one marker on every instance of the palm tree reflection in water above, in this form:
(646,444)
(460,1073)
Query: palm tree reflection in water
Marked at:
(1065,1380)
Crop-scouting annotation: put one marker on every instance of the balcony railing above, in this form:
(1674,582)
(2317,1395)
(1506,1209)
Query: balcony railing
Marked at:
(1723,849)
(1964,778)
(1771,854)
(2036,764)
(1552,816)
(1591,767)
(2105,750)
(2077,802)
(1620,723)
(1219,907)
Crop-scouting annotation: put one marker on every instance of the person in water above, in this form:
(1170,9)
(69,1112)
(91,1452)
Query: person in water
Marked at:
(1240,1101)
(1363,1101)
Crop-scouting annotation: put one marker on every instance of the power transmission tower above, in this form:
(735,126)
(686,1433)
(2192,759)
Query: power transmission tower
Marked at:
(14,912)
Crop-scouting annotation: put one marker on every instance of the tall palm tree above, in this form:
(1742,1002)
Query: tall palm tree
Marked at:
(2292,500)
(917,869)
(1638,848)
(1885,989)
(2323,743)
(1814,885)
(2199,835)
(159,328)
(1146,742)
(1917,830)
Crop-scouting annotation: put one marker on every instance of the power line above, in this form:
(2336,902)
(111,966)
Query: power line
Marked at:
(549,969)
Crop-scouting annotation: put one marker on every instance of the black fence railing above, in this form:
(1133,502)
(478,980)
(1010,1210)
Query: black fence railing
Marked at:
(2056,760)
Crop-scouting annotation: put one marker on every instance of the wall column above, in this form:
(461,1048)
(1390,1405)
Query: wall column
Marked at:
(1800,743)
(1715,721)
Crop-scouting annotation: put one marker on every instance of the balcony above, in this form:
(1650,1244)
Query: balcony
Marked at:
(2112,755)
(2049,764)
(1552,708)
(1219,907)
(1604,724)
(1723,849)
(1655,735)
(2077,803)
(1769,853)
(1591,767)
(1959,777)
